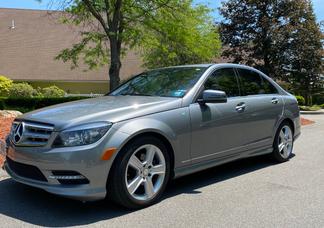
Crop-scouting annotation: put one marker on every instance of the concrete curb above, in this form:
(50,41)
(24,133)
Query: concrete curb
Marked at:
(319,112)
(3,174)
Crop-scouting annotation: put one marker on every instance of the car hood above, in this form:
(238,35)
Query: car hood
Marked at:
(107,108)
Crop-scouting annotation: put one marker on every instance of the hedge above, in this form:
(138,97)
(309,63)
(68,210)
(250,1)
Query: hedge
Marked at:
(300,100)
(29,104)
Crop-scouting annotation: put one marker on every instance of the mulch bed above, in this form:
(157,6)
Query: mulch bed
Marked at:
(5,125)
(306,121)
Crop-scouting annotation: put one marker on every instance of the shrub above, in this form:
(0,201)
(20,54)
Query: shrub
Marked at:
(28,104)
(322,106)
(52,91)
(300,100)
(5,85)
(22,90)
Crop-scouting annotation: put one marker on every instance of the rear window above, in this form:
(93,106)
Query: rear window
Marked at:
(251,82)
(268,87)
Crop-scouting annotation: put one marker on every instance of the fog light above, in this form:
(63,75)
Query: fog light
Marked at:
(69,177)
(77,177)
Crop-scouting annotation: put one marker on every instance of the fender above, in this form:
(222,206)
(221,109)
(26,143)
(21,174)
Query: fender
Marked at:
(175,129)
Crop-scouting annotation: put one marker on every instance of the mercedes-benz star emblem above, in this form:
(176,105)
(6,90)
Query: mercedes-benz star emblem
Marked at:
(18,133)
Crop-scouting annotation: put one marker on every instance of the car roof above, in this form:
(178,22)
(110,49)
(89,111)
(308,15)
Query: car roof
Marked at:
(207,65)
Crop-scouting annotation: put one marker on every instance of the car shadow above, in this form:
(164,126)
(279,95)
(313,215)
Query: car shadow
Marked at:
(40,208)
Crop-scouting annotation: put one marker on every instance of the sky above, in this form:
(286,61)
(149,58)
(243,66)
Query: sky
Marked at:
(44,4)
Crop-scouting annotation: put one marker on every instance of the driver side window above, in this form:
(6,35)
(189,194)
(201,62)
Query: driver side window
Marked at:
(224,80)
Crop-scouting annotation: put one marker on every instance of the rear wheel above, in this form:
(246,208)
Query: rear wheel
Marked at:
(283,143)
(140,173)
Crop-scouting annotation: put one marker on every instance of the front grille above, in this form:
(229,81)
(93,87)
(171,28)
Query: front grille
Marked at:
(27,171)
(31,134)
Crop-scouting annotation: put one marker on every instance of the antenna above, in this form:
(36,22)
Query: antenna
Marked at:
(12,24)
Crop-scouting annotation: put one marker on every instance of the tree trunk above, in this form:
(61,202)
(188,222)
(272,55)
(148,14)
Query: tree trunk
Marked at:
(115,64)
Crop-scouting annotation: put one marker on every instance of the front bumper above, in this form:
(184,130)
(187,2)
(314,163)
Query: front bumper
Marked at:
(80,192)
(85,160)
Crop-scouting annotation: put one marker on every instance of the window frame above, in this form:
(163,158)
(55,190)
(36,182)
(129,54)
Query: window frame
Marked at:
(240,81)
(202,87)
(263,79)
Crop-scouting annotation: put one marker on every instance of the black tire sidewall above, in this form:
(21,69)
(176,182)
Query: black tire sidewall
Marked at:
(276,153)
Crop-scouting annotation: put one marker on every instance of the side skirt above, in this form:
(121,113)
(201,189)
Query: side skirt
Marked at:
(179,172)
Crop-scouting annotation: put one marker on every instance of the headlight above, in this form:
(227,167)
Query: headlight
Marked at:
(82,135)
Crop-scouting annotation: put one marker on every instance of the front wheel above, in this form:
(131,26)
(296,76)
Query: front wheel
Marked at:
(283,143)
(140,174)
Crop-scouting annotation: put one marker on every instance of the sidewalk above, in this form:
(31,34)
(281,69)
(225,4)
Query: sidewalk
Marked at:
(3,174)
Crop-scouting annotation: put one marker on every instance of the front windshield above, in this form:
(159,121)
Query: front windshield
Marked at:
(167,82)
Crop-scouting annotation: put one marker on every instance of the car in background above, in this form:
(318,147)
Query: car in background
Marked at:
(159,125)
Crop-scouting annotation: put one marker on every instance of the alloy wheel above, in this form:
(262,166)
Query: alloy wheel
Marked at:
(285,142)
(145,172)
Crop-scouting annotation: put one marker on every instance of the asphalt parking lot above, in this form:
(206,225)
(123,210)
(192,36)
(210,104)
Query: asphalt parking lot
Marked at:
(248,193)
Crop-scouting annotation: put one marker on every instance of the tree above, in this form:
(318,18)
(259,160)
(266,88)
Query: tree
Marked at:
(280,37)
(113,26)
(187,39)
(247,31)
(303,58)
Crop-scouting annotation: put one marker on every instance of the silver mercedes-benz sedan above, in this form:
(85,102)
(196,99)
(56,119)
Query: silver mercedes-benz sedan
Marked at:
(159,125)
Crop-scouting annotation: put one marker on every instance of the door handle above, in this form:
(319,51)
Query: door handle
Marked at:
(275,100)
(240,107)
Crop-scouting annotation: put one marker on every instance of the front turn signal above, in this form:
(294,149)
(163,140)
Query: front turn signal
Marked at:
(108,154)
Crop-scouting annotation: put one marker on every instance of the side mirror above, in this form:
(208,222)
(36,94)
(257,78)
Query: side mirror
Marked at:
(213,96)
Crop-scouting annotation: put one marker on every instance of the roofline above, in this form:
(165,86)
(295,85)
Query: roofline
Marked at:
(60,80)
(24,9)
(207,65)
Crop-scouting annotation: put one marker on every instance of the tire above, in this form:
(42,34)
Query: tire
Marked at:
(283,142)
(138,178)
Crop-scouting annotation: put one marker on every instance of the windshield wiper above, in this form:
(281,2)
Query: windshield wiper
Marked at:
(135,94)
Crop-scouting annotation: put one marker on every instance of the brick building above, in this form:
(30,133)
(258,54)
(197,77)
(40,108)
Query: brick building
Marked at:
(29,42)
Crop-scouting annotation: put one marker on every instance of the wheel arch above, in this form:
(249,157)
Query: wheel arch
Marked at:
(151,133)
(290,122)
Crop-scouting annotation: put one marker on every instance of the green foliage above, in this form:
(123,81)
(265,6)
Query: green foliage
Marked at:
(310,108)
(322,106)
(28,104)
(22,90)
(319,98)
(305,50)
(188,38)
(5,85)
(92,49)
(280,37)
(300,100)
(167,32)
(52,91)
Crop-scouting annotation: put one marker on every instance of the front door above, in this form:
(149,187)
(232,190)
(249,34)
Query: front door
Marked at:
(217,131)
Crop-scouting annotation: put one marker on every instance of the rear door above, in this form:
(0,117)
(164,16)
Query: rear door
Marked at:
(263,107)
